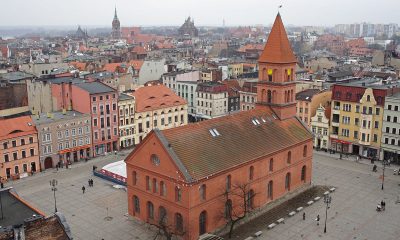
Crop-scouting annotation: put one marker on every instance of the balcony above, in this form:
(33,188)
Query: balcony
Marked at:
(335,124)
(334,135)
(336,110)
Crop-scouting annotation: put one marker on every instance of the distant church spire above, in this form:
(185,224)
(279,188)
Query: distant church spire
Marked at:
(115,13)
(116,26)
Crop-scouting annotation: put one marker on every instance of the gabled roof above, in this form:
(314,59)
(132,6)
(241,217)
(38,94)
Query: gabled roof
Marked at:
(156,97)
(239,141)
(14,127)
(277,49)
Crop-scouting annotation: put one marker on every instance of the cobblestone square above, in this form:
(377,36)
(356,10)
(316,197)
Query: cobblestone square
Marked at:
(352,214)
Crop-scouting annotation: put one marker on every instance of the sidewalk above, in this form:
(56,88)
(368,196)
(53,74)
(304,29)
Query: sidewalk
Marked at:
(353,158)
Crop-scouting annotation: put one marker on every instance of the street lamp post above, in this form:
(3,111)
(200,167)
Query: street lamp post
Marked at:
(53,185)
(327,201)
(383,170)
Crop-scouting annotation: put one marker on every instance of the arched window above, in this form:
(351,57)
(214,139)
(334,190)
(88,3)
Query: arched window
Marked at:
(150,210)
(264,73)
(291,95)
(305,151)
(368,98)
(228,183)
(162,215)
(270,190)
(136,204)
(251,173)
(271,165)
(287,182)
(303,173)
(270,73)
(228,209)
(289,157)
(250,198)
(155,185)
(178,194)
(147,183)
(269,96)
(178,222)
(252,99)
(203,192)
(163,188)
(291,75)
(203,223)
(286,94)
(134,177)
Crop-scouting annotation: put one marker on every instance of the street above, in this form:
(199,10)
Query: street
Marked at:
(101,212)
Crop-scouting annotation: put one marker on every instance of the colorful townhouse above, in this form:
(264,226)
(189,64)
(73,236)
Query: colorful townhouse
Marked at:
(101,103)
(19,153)
(357,118)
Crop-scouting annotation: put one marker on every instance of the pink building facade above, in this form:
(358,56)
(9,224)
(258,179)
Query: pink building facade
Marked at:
(98,100)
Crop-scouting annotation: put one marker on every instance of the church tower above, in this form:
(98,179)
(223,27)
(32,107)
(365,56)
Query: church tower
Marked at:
(116,27)
(276,78)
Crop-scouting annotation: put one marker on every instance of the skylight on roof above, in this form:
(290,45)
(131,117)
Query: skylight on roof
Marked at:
(255,121)
(264,121)
(214,132)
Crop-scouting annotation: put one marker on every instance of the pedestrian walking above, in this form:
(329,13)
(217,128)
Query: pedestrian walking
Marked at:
(383,205)
(89,183)
(357,158)
(304,216)
(317,220)
(83,189)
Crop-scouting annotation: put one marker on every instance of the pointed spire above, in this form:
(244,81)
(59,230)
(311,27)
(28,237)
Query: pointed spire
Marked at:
(115,12)
(278,49)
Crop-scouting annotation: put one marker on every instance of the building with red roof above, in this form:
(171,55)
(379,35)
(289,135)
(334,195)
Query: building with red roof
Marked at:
(157,106)
(19,151)
(189,178)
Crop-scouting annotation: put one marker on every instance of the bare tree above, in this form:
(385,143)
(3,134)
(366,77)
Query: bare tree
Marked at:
(238,203)
(166,230)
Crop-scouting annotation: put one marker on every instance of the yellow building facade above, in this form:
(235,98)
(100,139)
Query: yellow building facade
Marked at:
(356,120)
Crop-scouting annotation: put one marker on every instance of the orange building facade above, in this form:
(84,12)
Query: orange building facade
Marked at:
(182,178)
(19,153)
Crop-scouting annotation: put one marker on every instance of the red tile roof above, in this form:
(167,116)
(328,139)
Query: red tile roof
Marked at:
(15,127)
(115,67)
(136,64)
(240,141)
(139,50)
(278,49)
(81,66)
(355,93)
(156,97)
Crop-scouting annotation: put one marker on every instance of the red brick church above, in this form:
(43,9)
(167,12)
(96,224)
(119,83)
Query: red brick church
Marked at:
(182,176)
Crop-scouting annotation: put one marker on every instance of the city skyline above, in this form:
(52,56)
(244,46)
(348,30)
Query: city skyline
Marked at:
(208,13)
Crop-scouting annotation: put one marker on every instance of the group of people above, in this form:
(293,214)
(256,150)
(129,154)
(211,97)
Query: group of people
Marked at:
(90,183)
(381,207)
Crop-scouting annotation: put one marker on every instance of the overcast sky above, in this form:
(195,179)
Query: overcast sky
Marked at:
(205,12)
